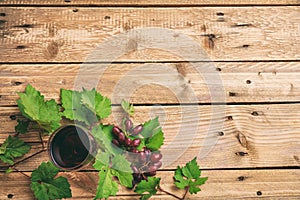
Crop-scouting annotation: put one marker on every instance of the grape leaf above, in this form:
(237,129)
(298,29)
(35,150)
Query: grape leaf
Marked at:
(106,185)
(127,107)
(103,134)
(34,107)
(74,109)
(13,147)
(100,105)
(45,186)
(150,127)
(121,169)
(22,126)
(189,176)
(149,187)
(156,141)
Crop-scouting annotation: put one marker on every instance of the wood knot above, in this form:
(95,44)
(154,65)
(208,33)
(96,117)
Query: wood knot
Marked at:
(52,50)
(242,140)
(132,45)
(181,69)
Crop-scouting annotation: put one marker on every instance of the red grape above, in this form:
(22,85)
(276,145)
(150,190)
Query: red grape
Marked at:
(152,168)
(155,157)
(128,142)
(147,152)
(134,150)
(116,130)
(136,142)
(138,129)
(115,142)
(121,137)
(128,124)
(142,157)
(158,164)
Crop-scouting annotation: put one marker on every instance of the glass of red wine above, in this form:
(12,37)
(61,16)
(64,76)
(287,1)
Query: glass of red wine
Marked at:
(71,147)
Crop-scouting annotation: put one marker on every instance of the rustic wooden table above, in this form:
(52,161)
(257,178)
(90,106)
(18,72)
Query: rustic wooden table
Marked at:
(245,111)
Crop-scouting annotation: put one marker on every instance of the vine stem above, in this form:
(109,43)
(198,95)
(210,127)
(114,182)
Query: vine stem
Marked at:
(14,168)
(28,157)
(41,137)
(173,195)
(186,191)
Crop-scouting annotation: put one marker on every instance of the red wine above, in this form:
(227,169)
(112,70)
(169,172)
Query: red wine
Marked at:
(71,147)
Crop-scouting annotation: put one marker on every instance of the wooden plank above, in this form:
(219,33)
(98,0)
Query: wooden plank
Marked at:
(176,82)
(148,2)
(232,136)
(221,184)
(62,35)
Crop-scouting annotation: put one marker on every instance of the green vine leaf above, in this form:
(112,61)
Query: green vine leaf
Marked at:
(150,127)
(147,186)
(156,141)
(34,107)
(189,177)
(127,107)
(103,135)
(22,126)
(73,108)
(45,186)
(97,103)
(12,148)
(106,185)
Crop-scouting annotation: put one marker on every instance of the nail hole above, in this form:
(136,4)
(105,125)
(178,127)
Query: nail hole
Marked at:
(16,83)
(254,113)
(2,21)
(13,117)
(218,69)
(220,14)
(221,133)
(259,193)
(2,14)
(241,178)
(248,82)
(24,26)
(67,1)
(107,17)
(232,94)
(21,47)
(240,153)
(229,118)
(10,196)
(75,10)
(246,45)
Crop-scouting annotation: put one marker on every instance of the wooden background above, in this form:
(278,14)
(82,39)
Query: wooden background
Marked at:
(255,130)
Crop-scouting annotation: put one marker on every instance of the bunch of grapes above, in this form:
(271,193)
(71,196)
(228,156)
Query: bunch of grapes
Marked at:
(144,162)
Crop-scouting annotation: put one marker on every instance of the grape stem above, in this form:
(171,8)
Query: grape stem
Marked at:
(173,195)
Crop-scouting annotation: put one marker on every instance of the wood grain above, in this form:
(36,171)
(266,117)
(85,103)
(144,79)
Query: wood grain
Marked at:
(51,34)
(221,184)
(147,2)
(160,83)
(232,136)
